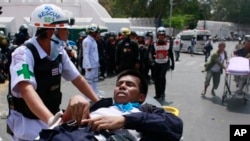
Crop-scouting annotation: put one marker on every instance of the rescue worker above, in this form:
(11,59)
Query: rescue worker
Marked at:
(144,55)
(101,45)
(110,54)
(82,35)
(127,53)
(149,42)
(177,47)
(162,53)
(91,57)
(36,70)
(4,42)
(133,36)
(22,35)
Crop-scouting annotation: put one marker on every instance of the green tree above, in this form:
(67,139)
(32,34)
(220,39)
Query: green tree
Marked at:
(231,10)
(189,10)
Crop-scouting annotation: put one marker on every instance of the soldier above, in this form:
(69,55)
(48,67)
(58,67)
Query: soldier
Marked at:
(127,53)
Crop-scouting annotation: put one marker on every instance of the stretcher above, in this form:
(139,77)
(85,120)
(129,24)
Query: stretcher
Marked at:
(237,67)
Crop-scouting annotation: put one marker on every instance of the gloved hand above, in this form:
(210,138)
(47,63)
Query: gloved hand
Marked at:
(78,109)
(55,120)
(172,67)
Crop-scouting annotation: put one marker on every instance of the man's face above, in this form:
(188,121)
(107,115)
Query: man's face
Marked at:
(50,32)
(221,47)
(127,90)
(63,33)
(161,36)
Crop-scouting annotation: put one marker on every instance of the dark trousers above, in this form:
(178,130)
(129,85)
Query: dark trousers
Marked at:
(102,62)
(111,66)
(207,54)
(144,70)
(160,71)
(177,55)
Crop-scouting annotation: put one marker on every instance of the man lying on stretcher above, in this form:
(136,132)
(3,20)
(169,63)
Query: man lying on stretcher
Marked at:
(145,121)
(244,52)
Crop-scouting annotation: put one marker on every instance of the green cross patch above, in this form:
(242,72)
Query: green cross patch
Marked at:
(25,71)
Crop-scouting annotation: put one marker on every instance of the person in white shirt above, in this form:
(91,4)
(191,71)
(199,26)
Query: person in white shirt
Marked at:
(177,48)
(90,57)
(36,70)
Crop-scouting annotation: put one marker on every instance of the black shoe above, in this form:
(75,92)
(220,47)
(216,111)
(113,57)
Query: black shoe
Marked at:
(159,98)
(213,93)
(156,97)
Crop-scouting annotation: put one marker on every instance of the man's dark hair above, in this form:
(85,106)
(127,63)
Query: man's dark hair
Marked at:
(143,83)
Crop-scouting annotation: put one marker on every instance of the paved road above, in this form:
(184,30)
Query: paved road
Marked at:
(205,119)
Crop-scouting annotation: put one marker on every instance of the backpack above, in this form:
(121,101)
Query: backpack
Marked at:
(208,46)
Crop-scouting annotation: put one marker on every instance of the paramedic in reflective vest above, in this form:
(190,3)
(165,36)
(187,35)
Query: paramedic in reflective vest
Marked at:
(36,70)
(91,57)
(164,60)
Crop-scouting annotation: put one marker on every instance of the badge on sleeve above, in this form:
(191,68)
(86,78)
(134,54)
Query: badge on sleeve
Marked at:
(27,74)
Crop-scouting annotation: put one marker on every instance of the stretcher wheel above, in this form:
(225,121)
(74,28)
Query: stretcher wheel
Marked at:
(245,100)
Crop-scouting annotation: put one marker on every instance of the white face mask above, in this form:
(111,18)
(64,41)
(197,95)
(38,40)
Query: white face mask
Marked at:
(56,47)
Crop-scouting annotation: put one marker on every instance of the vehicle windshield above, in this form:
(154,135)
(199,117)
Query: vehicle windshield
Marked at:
(202,37)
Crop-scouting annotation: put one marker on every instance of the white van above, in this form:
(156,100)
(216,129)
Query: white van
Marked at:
(201,37)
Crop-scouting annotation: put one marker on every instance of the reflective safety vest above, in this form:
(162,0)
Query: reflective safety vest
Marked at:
(48,78)
(161,52)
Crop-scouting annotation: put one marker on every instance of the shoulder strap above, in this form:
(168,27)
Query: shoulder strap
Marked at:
(105,102)
(33,50)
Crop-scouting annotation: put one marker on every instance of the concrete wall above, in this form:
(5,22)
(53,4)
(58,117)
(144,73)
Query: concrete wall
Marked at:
(84,12)
(81,9)
(223,29)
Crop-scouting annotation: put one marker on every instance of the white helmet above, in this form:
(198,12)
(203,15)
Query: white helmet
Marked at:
(49,16)
(161,30)
(93,28)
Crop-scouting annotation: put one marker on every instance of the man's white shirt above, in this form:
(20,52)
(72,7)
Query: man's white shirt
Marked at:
(90,53)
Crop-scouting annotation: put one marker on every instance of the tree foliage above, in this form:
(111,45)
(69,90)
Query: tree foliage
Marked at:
(231,10)
(186,13)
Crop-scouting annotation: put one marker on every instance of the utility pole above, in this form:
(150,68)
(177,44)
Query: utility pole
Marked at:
(170,16)
(1,10)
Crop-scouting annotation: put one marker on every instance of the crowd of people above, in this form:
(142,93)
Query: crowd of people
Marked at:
(112,52)
(37,64)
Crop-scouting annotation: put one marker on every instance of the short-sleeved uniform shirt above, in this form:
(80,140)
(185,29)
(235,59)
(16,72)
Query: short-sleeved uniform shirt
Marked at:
(22,69)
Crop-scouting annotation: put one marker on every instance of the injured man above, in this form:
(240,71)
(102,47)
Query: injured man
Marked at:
(122,118)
